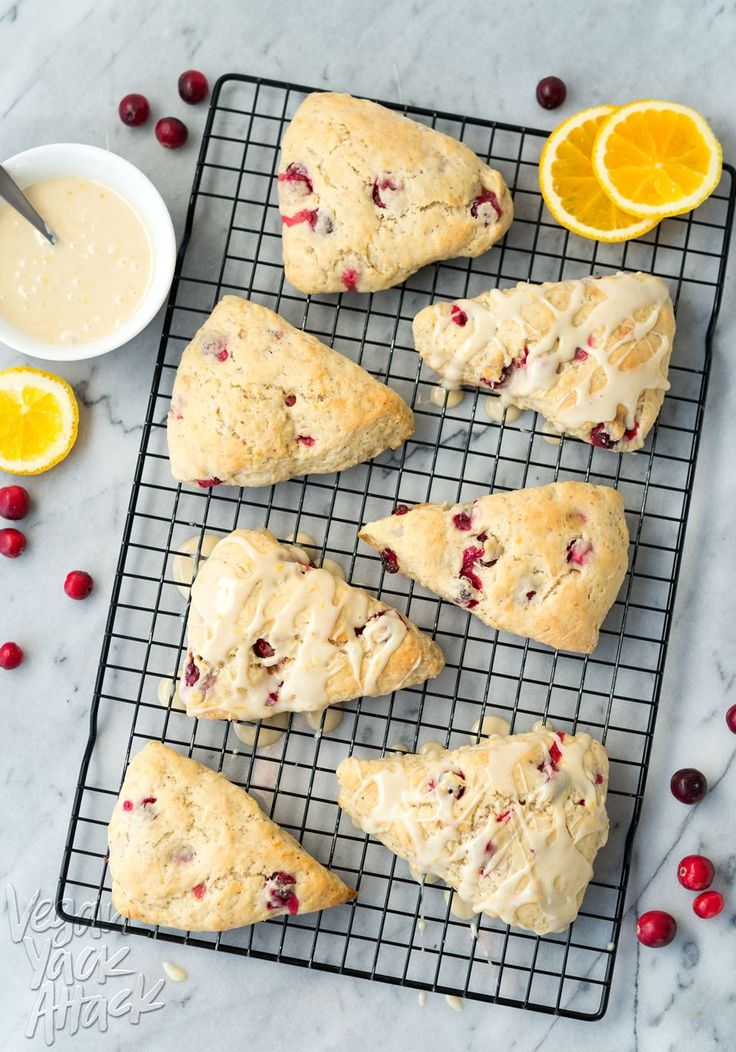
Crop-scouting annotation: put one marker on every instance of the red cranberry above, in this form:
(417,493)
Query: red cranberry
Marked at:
(12,543)
(401,509)
(350,278)
(297,173)
(386,183)
(305,440)
(461,521)
(530,595)
(273,697)
(600,437)
(78,584)
(148,800)
(578,552)
(458,315)
(191,673)
(631,432)
(470,557)
(731,719)
(580,355)
(551,93)
(389,560)
(688,785)
(263,649)
(486,197)
(290,400)
(199,890)
(505,816)
(280,894)
(656,928)
(134,110)
(209,483)
(193,86)
(127,805)
(13,502)
(709,904)
(306,215)
(10,656)
(696,872)
(599,779)
(171,132)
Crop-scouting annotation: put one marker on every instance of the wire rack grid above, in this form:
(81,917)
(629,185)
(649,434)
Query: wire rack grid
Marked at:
(399,931)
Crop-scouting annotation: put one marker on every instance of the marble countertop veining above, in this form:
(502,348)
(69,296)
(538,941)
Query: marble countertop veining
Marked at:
(64,67)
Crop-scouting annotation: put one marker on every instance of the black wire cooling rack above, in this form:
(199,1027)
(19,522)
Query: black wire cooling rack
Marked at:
(397,931)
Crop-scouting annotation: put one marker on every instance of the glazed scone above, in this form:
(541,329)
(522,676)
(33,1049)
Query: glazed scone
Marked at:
(188,849)
(270,633)
(256,401)
(545,562)
(590,355)
(367,197)
(512,824)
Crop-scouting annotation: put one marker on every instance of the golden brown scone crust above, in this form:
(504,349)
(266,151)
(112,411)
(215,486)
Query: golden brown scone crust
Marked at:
(555,557)
(188,849)
(231,417)
(367,197)
(491,363)
(511,824)
(331,641)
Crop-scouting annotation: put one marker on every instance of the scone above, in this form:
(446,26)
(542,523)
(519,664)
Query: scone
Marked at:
(256,401)
(590,355)
(190,850)
(270,633)
(368,196)
(512,824)
(545,562)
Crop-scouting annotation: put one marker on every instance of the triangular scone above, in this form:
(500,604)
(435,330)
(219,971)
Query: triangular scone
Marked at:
(590,355)
(256,401)
(546,562)
(270,633)
(512,824)
(368,196)
(188,849)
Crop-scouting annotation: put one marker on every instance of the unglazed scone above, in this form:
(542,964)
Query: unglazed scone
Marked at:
(512,824)
(256,401)
(270,633)
(590,355)
(188,849)
(545,562)
(367,197)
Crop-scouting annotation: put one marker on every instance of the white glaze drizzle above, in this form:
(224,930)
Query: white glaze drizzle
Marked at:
(296,611)
(625,296)
(553,872)
(488,726)
(187,561)
(263,733)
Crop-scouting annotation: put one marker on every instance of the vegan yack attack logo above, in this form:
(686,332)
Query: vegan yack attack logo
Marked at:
(75,986)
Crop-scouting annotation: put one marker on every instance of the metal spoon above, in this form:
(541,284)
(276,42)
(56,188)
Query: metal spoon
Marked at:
(15,197)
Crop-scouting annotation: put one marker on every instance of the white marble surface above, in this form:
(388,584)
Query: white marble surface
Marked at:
(63,69)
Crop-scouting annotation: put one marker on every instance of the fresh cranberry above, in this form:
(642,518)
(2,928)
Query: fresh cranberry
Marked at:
(350,278)
(486,197)
(193,86)
(13,502)
(171,132)
(10,656)
(389,560)
(191,673)
(656,928)
(199,890)
(306,215)
(401,509)
(599,779)
(386,183)
(78,584)
(688,785)
(551,93)
(505,816)
(600,437)
(530,595)
(578,551)
(148,800)
(696,872)
(580,355)
(263,649)
(305,440)
(290,400)
(127,805)
(280,893)
(506,372)
(12,543)
(631,432)
(461,521)
(470,557)
(297,174)
(134,110)
(709,904)
(458,315)
(209,483)
(731,719)
(273,697)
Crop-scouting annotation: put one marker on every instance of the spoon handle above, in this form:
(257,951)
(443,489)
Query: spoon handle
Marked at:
(18,200)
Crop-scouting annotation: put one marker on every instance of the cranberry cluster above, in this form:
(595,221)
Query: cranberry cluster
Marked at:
(172,133)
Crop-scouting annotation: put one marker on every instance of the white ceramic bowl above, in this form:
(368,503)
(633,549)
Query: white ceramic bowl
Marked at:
(91,162)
